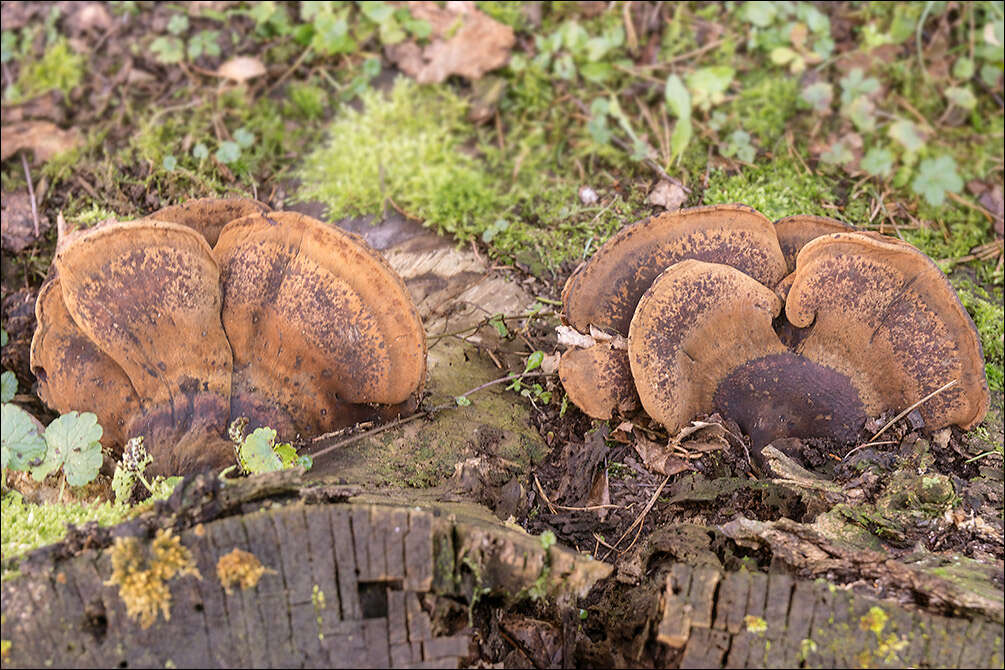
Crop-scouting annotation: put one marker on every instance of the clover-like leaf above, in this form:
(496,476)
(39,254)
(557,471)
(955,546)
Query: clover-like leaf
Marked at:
(244,137)
(678,99)
(257,454)
(20,444)
(878,162)
(708,85)
(228,152)
(819,96)
(936,177)
(8,386)
(73,441)
(906,134)
(856,84)
(961,96)
(837,154)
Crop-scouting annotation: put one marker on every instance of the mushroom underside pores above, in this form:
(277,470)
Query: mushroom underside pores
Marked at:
(172,326)
(799,328)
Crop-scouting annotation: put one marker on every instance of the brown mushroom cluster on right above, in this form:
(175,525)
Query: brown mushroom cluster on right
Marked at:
(804,327)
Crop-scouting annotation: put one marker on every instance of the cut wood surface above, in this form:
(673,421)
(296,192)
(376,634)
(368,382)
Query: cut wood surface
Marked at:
(344,585)
(752,620)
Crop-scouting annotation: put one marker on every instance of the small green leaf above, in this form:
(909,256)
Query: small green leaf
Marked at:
(20,444)
(936,177)
(376,11)
(123,482)
(963,68)
(547,540)
(906,134)
(287,454)
(8,386)
(837,154)
(678,100)
(856,84)
(680,138)
(74,440)
(204,42)
(199,151)
(228,152)
(168,50)
(861,112)
(499,324)
(462,401)
(8,46)
(170,163)
(819,96)
(708,85)
(534,361)
(961,96)
(878,162)
(3,337)
(257,454)
(244,137)
(761,14)
(177,24)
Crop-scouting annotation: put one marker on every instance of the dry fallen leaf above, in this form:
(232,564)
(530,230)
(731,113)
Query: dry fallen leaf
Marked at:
(17,227)
(570,337)
(657,457)
(668,195)
(463,41)
(44,138)
(549,364)
(241,69)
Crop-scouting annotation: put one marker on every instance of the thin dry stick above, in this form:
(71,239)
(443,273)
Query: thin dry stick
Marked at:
(31,193)
(544,496)
(902,415)
(567,508)
(638,521)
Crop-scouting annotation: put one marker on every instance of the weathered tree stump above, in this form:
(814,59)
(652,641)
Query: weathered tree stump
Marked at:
(341,585)
(752,620)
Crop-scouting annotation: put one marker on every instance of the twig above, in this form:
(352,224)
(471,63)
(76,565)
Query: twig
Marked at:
(544,496)
(31,193)
(902,415)
(297,63)
(638,521)
(974,206)
(567,508)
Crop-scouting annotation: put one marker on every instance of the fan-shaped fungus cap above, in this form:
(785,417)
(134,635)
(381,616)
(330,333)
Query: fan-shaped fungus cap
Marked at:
(795,231)
(74,374)
(209,215)
(147,295)
(319,325)
(605,291)
(598,380)
(885,316)
(695,325)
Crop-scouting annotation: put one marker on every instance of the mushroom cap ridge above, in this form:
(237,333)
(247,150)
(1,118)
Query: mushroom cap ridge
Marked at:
(882,313)
(147,294)
(606,290)
(319,324)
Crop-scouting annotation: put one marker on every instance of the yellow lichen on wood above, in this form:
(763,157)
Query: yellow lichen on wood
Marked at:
(240,568)
(142,578)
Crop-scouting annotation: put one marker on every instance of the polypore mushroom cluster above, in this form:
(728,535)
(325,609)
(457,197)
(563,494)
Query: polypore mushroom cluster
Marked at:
(171,326)
(801,328)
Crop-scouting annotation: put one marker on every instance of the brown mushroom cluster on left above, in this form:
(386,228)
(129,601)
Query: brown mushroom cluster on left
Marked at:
(172,326)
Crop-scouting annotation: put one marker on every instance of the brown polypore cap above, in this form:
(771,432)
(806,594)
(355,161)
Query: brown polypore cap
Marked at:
(696,324)
(209,215)
(884,315)
(148,295)
(598,380)
(605,291)
(74,374)
(318,322)
(795,231)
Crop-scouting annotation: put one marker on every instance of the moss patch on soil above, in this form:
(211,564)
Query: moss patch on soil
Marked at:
(423,453)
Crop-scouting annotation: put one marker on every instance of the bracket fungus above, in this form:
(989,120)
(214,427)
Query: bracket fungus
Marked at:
(287,321)
(802,328)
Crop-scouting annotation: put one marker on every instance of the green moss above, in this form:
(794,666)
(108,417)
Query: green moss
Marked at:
(986,311)
(766,103)
(26,526)
(59,69)
(777,188)
(407,147)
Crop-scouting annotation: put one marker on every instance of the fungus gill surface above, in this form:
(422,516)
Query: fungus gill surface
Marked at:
(805,328)
(286,321)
